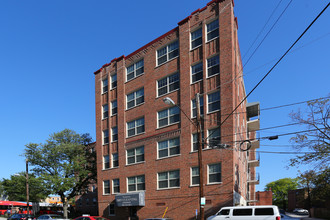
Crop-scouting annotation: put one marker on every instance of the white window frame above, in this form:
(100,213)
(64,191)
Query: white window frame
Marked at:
(169,147)
(135,156)
(135,69)
(135,98)
(104,193)
(105,86)
(195,39)
(209,102)
(106,161)
(208,173)
(135,127)
(169,115)
(169,84)
(167,53)
(195,142)
(193,106)
(136,183)
(212,65)
(114,134)
(210,133)
(105,135)
(194,73)
(112,107)
(191,176)
(114,159)
(105,111)
(168,180)
(113,81)
(212,30)
(113,186)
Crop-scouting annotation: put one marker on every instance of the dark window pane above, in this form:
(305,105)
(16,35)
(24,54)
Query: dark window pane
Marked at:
(242,212)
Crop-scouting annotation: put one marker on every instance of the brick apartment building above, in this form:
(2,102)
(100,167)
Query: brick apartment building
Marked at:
(147,157)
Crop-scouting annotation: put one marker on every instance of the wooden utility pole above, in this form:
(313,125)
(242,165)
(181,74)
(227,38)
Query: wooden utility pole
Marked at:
(200,164)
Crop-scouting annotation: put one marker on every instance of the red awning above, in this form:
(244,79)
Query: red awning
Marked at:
(13,203)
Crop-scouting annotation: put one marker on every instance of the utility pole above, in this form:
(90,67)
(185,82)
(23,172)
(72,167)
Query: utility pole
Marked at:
(200,164)
(27,186)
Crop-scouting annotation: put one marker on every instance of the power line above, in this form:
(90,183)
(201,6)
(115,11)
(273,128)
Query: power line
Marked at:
(309,26)
(262,29)
(274,152)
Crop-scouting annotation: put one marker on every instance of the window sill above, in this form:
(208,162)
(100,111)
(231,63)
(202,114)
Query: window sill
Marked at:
(134,106)
(169,188)
(168,125)
(134,78)
(192,49)
(177,155)
(208,41)
(191,186)
(132,164)
(166,62)
(135,135)
(167,93)
(111,168)
(198,81)
(217,183)
(104,118)
(208,77)
(213,111)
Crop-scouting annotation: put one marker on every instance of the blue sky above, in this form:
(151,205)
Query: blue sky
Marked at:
(49,51)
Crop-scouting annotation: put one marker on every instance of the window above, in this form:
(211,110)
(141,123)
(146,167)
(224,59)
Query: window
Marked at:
(264,211)
(105,109)
(242,212)
(105,85)
(196,38)
(193,106)
(224,212)
(114,108)
(135,183)
(194,141)
(135,155)
(114,81)
(105,136)
(170,179)
(135,98)
(213,66)
(214,173)
(106,162)
(106,187)
(214,136)
(168,84)
(114,134)
(135,70)
(196,72)
(115,186)
(112,209)
(213,102)
(135,127)
(167,53)
(115,162)
(168,116)
(194,176)
(212,30)
(169,148)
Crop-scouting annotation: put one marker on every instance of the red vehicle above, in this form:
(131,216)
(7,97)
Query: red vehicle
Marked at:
(87,217)
(13,207)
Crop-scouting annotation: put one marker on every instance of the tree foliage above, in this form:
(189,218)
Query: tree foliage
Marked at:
(317,139)
(317,185)
(65,162)
(280,190)
(15,188)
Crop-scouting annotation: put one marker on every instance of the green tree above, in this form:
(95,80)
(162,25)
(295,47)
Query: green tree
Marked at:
(15,188)
(65,162)
(317,139)
(280,190)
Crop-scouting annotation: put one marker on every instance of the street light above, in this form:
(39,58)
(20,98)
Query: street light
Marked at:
(169,101)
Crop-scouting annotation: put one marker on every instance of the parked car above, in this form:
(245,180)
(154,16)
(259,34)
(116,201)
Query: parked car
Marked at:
(21,217)
(87,217)
(300,211)
(51,217)
(247,212)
